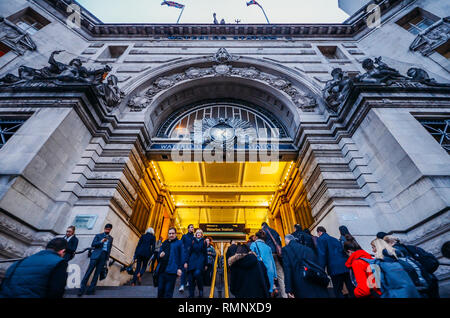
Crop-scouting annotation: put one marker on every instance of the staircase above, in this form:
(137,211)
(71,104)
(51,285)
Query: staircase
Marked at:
(146,290)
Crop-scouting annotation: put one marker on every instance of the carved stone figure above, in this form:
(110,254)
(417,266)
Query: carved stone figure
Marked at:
(110,92)
(421,76)
(14,37)
(336,90)
(137,103)
(378,72)
(222,56)
(215,19)
(433,37)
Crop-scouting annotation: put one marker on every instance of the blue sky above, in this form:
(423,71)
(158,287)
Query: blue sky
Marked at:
(200,11)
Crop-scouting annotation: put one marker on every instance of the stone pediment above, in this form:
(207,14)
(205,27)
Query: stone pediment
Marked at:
(431,38)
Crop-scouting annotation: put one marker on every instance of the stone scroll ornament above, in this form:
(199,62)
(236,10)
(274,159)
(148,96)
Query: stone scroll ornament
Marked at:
(58,74)
(431,38)
(377,72)
(302,100)
(15,38)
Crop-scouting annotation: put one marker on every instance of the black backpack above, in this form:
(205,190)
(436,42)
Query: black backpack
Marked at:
(427,260)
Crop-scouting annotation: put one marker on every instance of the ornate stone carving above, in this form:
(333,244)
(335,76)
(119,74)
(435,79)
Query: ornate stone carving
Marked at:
(137,103)
(222,56)
(377,73)
(14,227)
(304,101)
(74,73)
(433,37)
(14,37)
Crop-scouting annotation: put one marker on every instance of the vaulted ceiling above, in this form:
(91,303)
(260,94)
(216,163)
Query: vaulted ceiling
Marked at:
(222,192)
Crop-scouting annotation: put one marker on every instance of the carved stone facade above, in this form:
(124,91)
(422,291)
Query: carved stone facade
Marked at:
(435,36)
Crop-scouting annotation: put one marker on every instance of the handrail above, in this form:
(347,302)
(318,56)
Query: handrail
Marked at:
(213,281)
(225,273)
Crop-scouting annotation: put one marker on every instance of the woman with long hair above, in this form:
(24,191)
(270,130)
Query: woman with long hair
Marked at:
(360,270)
(195,265)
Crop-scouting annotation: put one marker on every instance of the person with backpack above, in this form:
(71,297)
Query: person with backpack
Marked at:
(273,240)
(304,278)
(303,238)
(425,282)
(331,255)
(264,254)
(360,271)
(390,276)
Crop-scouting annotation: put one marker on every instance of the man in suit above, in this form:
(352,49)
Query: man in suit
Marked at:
(171,259)
(331,255)
(72,243)
(102,245)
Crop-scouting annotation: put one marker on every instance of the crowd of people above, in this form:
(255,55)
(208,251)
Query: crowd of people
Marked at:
(307,266)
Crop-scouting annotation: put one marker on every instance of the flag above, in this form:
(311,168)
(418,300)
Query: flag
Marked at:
(173,4)
(252,2)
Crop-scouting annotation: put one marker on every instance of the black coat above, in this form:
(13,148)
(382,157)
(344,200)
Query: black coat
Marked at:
(248,277)
(197,255)
(72,246)
(145,246)
(293,280)
(305,239)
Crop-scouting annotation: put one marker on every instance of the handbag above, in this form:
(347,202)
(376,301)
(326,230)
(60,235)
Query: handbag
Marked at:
(104,273)
(312,272)
(278,247)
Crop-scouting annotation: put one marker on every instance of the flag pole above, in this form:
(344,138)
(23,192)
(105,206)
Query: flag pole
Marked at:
(179,17)
(264,13)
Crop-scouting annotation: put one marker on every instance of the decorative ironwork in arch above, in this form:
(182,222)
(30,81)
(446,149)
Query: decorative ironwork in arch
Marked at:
(232,112)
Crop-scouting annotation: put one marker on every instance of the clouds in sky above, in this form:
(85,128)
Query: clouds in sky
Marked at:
(201,11)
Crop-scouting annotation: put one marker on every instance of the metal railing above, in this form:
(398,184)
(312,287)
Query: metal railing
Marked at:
(213,281)
(225,273)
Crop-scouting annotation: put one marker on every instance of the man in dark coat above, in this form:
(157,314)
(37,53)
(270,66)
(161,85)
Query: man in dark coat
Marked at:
(331,255)
(186,239)
(297,286)
(303,238)
(72,243)
(102,245)
(142,254)
(248,276)
(170,261)
(273,240)
(42,275)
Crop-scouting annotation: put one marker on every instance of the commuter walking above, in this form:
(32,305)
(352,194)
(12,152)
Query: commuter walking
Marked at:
(144,250)
(102,245)
(314,238)
(264,254)
(251,239)
(298,261)
(186,240)
(274,242)
(343,230)
(72,243)
(195,264)
(170,261)
(361,272)
(303,237)
(420,260)
(332,257)
(248,275)
(210,262)
(393,280)
(42,275)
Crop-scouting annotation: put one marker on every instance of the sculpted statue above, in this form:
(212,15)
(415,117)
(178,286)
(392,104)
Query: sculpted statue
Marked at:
(378,72)
(14,37)
(336,90)
(110,92)
(215,19)
(58,73)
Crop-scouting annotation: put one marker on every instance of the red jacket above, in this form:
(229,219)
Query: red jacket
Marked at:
(362,273)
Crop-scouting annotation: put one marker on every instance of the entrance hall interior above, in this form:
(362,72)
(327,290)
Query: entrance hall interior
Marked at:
(237,196)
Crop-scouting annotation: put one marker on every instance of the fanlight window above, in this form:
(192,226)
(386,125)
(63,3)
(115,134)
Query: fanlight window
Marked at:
(222,120)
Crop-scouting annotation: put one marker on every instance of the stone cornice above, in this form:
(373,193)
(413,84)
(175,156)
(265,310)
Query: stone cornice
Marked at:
(94,28)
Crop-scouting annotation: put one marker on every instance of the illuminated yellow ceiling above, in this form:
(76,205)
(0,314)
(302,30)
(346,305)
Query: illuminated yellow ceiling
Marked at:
(222,192)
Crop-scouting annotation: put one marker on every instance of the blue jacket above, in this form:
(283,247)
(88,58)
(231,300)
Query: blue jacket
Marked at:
(269,240)
(331,255)
(197,255)
(145,246)
(175,252)
(98,245)
(33,277)
(264,253)
(187,240)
